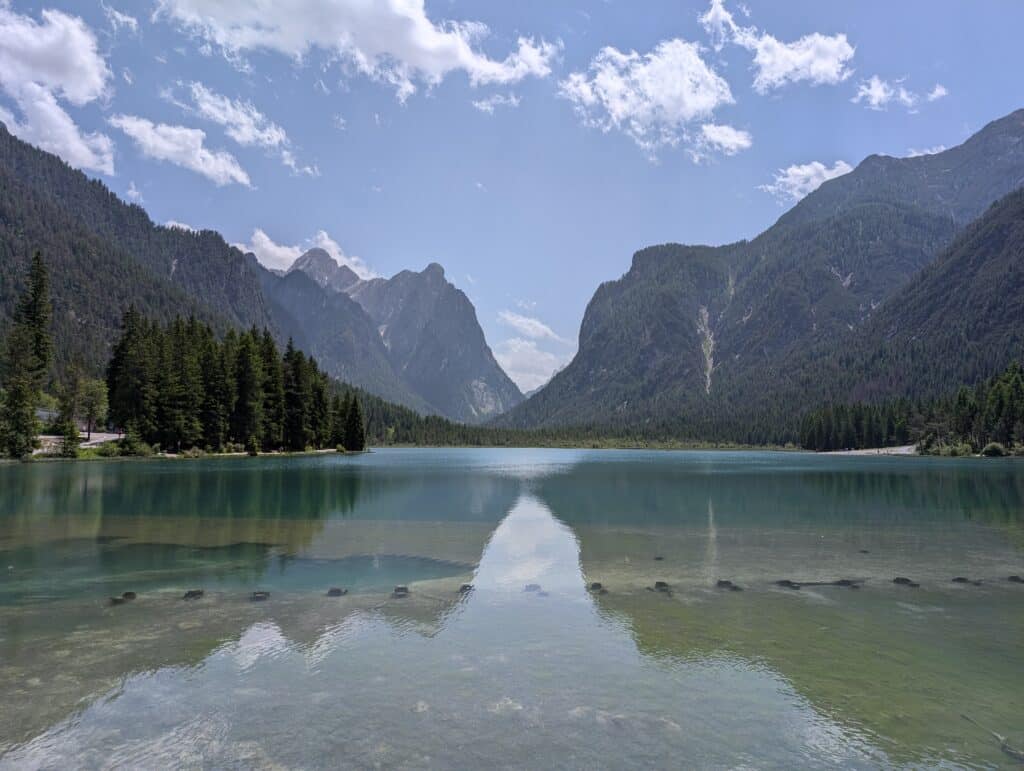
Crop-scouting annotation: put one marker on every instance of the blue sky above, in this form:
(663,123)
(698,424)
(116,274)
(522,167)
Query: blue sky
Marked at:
(529,147)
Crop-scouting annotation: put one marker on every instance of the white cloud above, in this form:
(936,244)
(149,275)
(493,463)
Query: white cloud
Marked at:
(45,124)
(490,103)
(339,122)
(530,327)
(183,147)
(180,226)
(725,139)
(914,153)
(815,58)
(43,61)
(652,97)
(793,183)
(876,93)
(243,123)
(134,194)
(394,42)
(118,19)
(241,120)
(529,366)
(938,92)
(281,256)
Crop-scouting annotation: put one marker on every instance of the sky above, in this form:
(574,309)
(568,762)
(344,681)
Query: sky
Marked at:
(529,147)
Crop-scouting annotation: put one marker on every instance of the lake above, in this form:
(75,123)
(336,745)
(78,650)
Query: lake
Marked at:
(530,668)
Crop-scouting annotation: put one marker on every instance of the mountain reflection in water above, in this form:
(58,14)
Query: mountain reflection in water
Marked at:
(555,675)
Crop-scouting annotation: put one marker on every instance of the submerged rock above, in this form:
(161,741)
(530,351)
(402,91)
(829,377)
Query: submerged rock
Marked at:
(659,558)
(961,580)
(128,596)
(596,586)
(465,588)
(1015,579)
(117,600)
(400,591)
(336,591)
(904,581)
(662,586)
(785,583)
(193,594)
(259,596)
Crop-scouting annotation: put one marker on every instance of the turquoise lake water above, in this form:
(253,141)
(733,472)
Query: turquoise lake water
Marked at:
(531,668)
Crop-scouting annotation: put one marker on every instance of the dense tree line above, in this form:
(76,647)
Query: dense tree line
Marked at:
(180,387)
(28,355)
(988,417)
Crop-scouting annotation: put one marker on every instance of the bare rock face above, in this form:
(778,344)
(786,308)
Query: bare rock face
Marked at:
(433,341)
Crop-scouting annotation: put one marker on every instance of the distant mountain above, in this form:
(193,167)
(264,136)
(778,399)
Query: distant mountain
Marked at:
(105,255)
(337,332)
(429,333)
(700,340)
(435,342)
(325,270)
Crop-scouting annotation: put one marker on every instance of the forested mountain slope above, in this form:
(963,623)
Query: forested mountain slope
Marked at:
(700,340)
(211,272)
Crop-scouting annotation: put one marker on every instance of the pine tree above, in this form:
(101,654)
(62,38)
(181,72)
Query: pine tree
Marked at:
(355,430)
(249,394)
(18,421)
(272,428)
(35,311)
(28,356)
(339,413)
(296,419)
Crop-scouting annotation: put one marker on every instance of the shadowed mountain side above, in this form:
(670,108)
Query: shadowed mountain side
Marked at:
(435,342)
(695,340)
(338,334)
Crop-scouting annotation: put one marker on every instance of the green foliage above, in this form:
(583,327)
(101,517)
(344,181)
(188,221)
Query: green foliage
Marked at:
(29,352)
(93,404)
(985,418)
(179,387)
(355,429)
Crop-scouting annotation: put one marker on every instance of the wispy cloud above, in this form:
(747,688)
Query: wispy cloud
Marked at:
(530,327)
(182,146)
(795,182)
(395,43)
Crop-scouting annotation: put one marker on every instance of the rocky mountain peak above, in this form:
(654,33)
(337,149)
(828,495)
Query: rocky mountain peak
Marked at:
(325,270)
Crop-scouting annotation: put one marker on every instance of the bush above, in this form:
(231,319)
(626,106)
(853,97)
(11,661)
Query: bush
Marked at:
(994,450)
(109,450)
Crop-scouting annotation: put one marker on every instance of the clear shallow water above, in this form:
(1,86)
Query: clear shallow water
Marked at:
(562,677)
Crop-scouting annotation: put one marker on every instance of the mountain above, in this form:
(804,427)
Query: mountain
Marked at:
(46,205)
(700,341)
(105,255)
(430,335)
(336,331)
(325,270)
(201,264)
(960,321)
